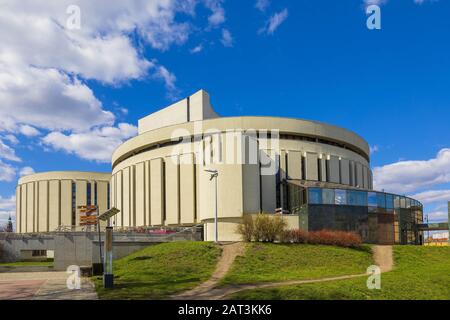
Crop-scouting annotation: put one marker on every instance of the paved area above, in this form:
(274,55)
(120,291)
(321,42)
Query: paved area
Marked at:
(42,286)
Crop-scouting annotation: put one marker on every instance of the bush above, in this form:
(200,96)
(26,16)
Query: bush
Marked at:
(246,229)
(335,238)
(264,228)
(295,236)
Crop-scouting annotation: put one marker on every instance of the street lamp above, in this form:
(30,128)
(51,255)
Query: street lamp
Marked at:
(214,175)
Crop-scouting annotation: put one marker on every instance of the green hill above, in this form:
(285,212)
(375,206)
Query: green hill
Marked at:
(266,262)
(419,273)
(161,270)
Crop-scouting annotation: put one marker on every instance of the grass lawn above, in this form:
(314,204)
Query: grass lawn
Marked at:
(48,263)
(265,262)
(420,273)
(161,270)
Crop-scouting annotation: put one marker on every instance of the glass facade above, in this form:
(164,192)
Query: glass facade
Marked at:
(377,217)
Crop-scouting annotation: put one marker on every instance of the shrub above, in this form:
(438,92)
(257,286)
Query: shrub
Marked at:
(264,228)
(335,238)
(246,229)
(298,236)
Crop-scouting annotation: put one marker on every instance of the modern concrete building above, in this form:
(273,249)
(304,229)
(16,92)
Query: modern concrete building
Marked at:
(265,164)
(47,201)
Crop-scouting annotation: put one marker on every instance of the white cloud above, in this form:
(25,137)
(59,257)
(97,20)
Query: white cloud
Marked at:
(28,131)
(97,145)
(375,2)
(437,215)
(410,176)
(7,209)
(262,5)
(11,139)
(374,149)
(218,12)
(382,2)
(7,172)
(227,39)
(8,153)
(197,49)
(274,22)
(433,196)
(25,171)
(168,77)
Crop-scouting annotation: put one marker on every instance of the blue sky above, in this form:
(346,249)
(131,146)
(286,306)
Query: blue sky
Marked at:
(305,59)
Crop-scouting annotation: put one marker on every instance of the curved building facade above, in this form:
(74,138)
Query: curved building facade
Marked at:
(48,201)
(159,177)
(162,177)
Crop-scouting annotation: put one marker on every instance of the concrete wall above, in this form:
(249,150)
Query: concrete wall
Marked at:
(80,248)
(44,200)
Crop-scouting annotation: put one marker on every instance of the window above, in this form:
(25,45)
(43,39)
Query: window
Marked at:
(39,253)
(397,202)
(381,200)
(315,196)
(340,197)
(357,198)
(88,192)
(108,197)
(372,199)
(328,196)
(95,194)
(389,201)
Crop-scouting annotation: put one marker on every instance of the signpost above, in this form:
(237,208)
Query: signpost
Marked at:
(108,276)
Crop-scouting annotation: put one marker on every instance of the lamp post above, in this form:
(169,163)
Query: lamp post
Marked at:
(108,276)
(214,175)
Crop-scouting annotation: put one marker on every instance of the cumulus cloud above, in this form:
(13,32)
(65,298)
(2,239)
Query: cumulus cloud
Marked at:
(227,39)
(218,12)
(410,176)
(274,22)
(8,153)
(28,131)
(45,65)
(97,145)
(25,171)
(7,209)
(433,196)
(262,5)
(7,172)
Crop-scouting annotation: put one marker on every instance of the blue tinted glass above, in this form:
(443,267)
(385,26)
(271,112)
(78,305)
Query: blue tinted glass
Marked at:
(381,200)
(315,196)
(403,202)
(362,198)
(352,198)
(372,199)
(389,201)
(340,197)
(397,202)
(327,196)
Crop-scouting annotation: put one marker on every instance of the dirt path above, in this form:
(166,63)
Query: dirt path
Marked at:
(382,256)
(229,254)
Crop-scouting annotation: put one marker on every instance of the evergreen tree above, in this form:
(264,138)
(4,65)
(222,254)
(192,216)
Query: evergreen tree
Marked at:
(9,226)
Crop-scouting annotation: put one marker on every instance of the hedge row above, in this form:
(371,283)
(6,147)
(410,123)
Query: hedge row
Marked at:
(266,228)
